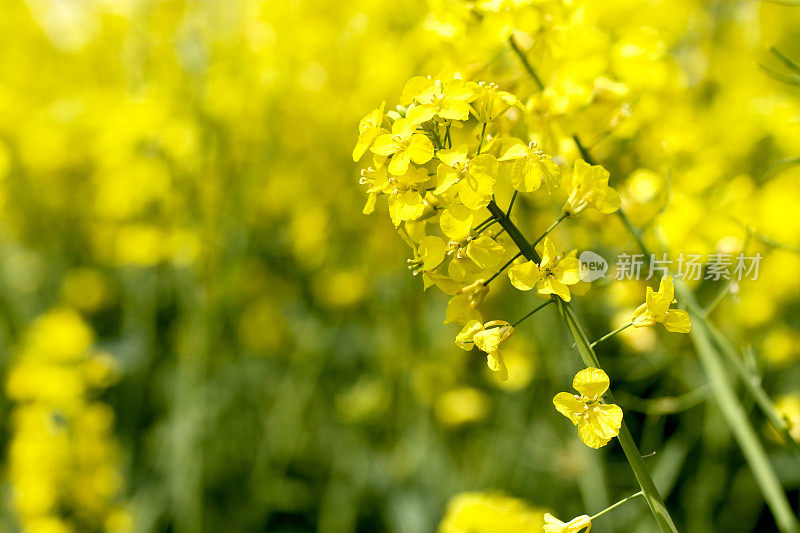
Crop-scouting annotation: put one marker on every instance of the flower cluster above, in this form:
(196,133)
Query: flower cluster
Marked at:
(440,158)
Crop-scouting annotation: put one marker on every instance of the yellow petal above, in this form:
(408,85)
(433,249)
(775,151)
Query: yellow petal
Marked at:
(431,250)
(525,276)
(399,163)
(420,149)
(569,271)
(548,252)
(485,252)
(405,206)
(589,437)
(570,406)
(494,361)
(525,177)
(467,333)
(677,321)
(515,151)
(454,156)
(657,303)
(456,222)
(606,420)
(551,286)
(384,145)
(591,382)
(460,310)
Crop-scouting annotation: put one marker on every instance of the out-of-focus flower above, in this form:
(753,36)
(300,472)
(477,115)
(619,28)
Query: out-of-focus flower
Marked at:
(656,309)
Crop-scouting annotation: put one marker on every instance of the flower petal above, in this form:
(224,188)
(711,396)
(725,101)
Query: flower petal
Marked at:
(570,406)
(591,382)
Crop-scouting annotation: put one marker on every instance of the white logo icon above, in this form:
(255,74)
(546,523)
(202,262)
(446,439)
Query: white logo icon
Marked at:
(593,266)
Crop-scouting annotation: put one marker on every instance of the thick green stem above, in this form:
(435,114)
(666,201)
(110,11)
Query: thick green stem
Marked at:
(632,453)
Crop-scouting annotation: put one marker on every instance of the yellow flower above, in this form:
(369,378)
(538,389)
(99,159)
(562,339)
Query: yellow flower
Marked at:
(462,307)
(429,254)
(656,309)
(589,188)
(404,145)
(531,167)
(447,100)
(490,102)
(368,130)
(488,338)
(597,423)
(473,179)
(491,512)
(553,274)
(554,525)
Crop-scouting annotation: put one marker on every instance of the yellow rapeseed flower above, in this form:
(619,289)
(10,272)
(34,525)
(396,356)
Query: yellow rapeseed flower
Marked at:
(531,167)
(597,423)
(473,179)
(553,274)
(589,188)
(554,525)
(656,309)
(488,338)
(368,130)
(404,144)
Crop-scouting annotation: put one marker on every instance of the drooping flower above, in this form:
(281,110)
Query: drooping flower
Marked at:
(554,525)
(597,422)
(463,306)
(368,130)
(404,144)
(531,168)
(553,274)
(589,188)
(656,309)
(488,338)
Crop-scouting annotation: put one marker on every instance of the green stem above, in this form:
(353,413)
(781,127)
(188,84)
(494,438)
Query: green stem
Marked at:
(525,63)
(610,507)
(523,319)
(483,136)
(511,203)
(551,228)
(723,292)
(738,422)
(609,335)
(635,460)
(502,268)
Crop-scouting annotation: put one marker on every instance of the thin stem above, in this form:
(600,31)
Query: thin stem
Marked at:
(483,136)
(487,226)
(523,319)
(447,137)
(525,63)
(502,268)
(607,509)
(723,292)
(609,335)
(653,498)
(551,228)
(511,203)
(481,225)
(583,151)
